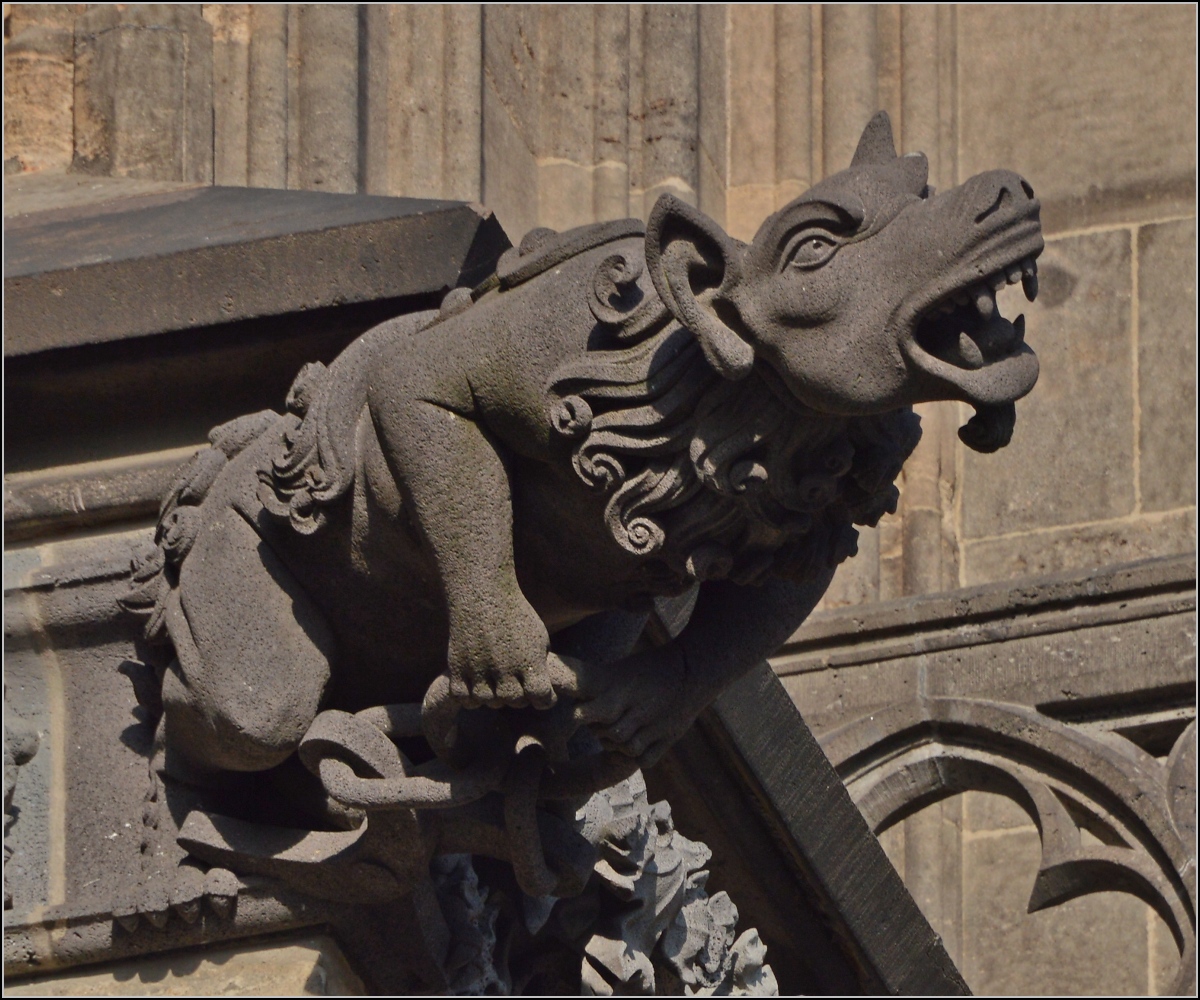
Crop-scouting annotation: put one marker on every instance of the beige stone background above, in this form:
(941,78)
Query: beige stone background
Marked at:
(558,116)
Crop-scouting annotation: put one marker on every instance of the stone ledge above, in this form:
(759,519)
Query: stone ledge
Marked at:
(990,613)
(148,263)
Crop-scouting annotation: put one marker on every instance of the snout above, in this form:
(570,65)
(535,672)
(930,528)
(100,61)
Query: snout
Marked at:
(997,198)
(983,235)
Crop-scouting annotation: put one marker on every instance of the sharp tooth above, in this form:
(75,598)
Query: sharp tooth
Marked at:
(985,304)
(1029,284)
(1029,265)
(969,351)
(1019,326)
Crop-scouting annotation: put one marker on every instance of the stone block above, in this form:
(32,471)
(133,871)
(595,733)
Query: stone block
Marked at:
(793,101)
(1060,669)
(509,169)
(713,114)
(33,821)
(1095,944)
(39,66)
(857,579)
(1095,105)
(231,90)
(143,103)
(1078,546)
(751,52)
(1167,364)
(510,65)
(566,194)
(1071,457)
(986,811)
(326,114)
(831,698)
(933,868)
(462,125)
(310,966)
(566,82)
(850,69)
(266,126)
(670,97)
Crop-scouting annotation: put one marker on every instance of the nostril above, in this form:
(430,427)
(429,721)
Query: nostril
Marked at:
(1026,188)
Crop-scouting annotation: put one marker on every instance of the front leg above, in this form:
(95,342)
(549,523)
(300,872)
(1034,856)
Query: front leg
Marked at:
(454,485)
(644,703)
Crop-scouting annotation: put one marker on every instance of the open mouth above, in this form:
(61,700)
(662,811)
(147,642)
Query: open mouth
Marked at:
(964,328)
(973,353)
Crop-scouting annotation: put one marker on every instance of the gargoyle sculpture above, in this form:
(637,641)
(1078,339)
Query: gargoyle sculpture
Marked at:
(425,580)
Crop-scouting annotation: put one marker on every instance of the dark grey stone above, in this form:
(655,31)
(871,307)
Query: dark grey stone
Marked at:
(480,507)
(147,264)
(469,507)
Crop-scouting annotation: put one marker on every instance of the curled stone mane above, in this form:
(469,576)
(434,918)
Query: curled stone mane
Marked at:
(719,479)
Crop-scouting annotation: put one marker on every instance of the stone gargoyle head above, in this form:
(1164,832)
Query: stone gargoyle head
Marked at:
(927,328)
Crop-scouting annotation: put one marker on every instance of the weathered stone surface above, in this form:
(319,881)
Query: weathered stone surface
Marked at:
(1167,364)
(39,90)
(26,194)
(1073,695)
(143,104)
(933,868)
(833,697)
(421,68)
(1078,547)
(266,106)
(669,104)
(1126,74)
(310,966)
(149,263)
(1095,944)
(93,494)
(33,845)
(326,114)
(978,616)
(985,812)
(231,27)
(857,579)
(1054,473)
(850,54)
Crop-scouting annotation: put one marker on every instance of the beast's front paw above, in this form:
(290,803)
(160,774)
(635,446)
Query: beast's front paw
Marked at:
(494,674)
(640,707)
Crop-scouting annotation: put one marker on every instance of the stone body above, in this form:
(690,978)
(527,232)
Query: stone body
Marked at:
(479,506)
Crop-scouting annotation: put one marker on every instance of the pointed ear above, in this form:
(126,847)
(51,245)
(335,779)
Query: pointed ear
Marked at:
(694,265)
(876,144)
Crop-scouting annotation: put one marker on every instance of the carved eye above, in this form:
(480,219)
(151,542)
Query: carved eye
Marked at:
(811,249)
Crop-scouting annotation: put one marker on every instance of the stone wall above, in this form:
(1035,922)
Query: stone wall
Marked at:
(556,115)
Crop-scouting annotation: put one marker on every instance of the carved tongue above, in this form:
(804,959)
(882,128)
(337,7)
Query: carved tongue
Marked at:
(990,429)
(969,352)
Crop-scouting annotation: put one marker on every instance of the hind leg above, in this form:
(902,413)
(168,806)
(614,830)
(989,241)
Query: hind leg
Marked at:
(252,654)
